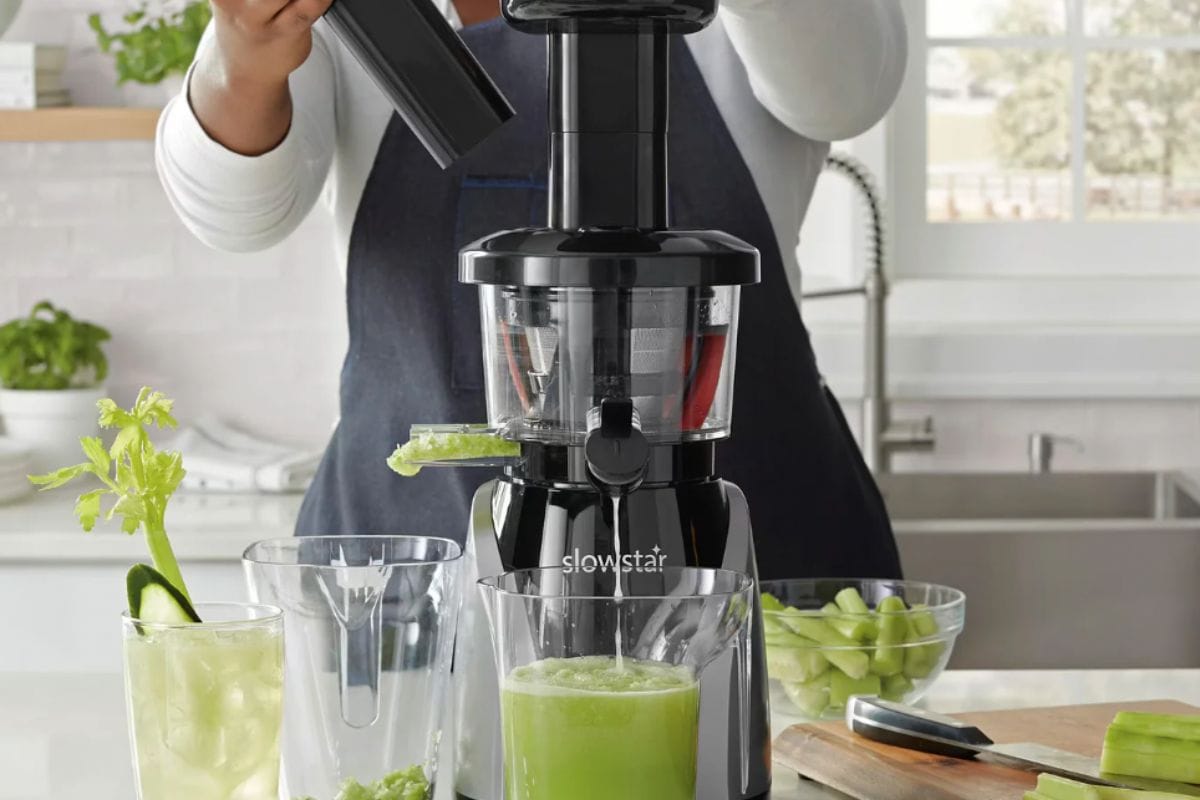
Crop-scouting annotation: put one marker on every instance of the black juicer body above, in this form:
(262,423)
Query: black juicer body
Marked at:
(608,241)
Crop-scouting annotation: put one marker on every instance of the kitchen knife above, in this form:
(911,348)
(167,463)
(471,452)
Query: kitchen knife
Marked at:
(916,729)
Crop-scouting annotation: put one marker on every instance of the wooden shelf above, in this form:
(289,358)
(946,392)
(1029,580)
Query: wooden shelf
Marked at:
(78,124)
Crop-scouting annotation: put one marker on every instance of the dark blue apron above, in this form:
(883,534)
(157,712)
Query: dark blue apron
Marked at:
(414,354)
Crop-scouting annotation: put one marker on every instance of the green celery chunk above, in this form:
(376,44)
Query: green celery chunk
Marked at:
(800,660)
(854,662)
(1038,796)
(920,660)
(893,630)
(843,687)
(851,602)
(859,629)
(812,698)
(772,624)
(1059,788)
(896,688)
(1123,739)
(1171,726)
(770,602)
(430,446)
(1131,753)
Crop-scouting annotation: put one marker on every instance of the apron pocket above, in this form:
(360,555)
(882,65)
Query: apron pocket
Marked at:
(486,204)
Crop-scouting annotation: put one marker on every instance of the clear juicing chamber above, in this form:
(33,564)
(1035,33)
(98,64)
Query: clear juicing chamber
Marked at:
(552,355)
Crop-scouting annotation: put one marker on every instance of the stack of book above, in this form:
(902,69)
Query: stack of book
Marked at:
(31,75)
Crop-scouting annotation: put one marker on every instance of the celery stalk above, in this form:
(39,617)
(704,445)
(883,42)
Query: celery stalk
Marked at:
(1171,726)
(1129,753)
(896,688)
(889,656)
(1059,788)
(843,687)
(854,662)
(812,698)
(859,629)
(795,663)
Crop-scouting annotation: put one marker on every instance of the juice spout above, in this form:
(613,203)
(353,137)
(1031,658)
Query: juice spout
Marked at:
(355,596)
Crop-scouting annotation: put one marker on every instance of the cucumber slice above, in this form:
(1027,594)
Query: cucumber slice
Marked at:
(152,598)
(1171,726)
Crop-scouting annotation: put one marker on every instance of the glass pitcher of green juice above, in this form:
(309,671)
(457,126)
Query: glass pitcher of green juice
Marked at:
(600,676)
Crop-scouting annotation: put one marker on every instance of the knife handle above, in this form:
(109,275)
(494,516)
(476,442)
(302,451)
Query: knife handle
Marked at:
(914,729)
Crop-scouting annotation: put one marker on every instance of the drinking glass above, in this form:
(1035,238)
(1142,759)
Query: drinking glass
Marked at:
(205,703)
(370,622)
(600,691)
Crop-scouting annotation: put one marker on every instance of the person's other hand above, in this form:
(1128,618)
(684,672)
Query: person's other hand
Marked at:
(264,41)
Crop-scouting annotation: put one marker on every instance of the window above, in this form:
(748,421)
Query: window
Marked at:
(1049,137)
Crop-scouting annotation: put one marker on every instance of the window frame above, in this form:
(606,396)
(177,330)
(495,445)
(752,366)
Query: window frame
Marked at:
(1074,247)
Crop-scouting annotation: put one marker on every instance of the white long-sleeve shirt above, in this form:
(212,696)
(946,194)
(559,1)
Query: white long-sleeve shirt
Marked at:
(823,69)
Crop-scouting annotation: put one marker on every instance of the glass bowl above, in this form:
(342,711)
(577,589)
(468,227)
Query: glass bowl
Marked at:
(826,643)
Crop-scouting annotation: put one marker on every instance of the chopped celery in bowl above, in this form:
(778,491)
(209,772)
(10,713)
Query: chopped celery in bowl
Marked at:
(829,639)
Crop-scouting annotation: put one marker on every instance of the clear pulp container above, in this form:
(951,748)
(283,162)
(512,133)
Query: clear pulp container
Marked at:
(370,624)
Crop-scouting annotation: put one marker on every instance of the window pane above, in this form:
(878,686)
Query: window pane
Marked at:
(952,18)
(1143,17)
(1143,134)
(999,134)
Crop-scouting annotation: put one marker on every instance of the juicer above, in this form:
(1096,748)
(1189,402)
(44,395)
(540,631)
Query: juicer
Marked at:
(609,342)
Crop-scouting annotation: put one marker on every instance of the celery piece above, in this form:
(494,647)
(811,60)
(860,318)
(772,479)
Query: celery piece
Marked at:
(896,688)
(795,663)
(428,446)
(811,698)
(1150,765)
(843,687)
(1059,788)
(1172,726)
(854,662)
(851,602)
(770,602)
(1154,745)
(1130,753)
(860,629)
(893,629)
(1037,796)
(771,624)
(920,660)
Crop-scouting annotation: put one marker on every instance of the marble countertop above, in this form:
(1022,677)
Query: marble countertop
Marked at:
(63,736)
(203,527)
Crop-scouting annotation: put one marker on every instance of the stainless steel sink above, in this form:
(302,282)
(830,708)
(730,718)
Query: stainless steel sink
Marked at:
(1051,496)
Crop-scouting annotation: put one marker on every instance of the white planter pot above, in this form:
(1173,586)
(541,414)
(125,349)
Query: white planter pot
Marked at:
(50,422)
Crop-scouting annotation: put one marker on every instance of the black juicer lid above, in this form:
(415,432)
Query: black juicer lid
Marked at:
(609,259)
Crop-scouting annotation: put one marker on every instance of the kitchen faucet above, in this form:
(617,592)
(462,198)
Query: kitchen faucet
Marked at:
(881,435)
(1041,450)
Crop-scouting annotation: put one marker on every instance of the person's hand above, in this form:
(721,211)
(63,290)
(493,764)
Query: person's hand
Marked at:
(264,41)
(239,88)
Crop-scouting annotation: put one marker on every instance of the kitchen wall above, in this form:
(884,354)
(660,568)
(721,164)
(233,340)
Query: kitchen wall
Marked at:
(257,339)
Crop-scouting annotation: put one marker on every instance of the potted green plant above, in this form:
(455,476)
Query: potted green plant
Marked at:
(157,42)
(52,370)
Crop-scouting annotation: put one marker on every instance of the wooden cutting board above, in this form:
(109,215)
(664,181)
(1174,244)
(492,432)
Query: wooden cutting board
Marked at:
(828,753)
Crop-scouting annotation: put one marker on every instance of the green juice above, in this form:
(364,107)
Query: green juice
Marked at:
(586,729)
(206,706)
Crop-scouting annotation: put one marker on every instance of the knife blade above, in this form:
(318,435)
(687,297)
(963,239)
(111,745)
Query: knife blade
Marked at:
(917,729)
